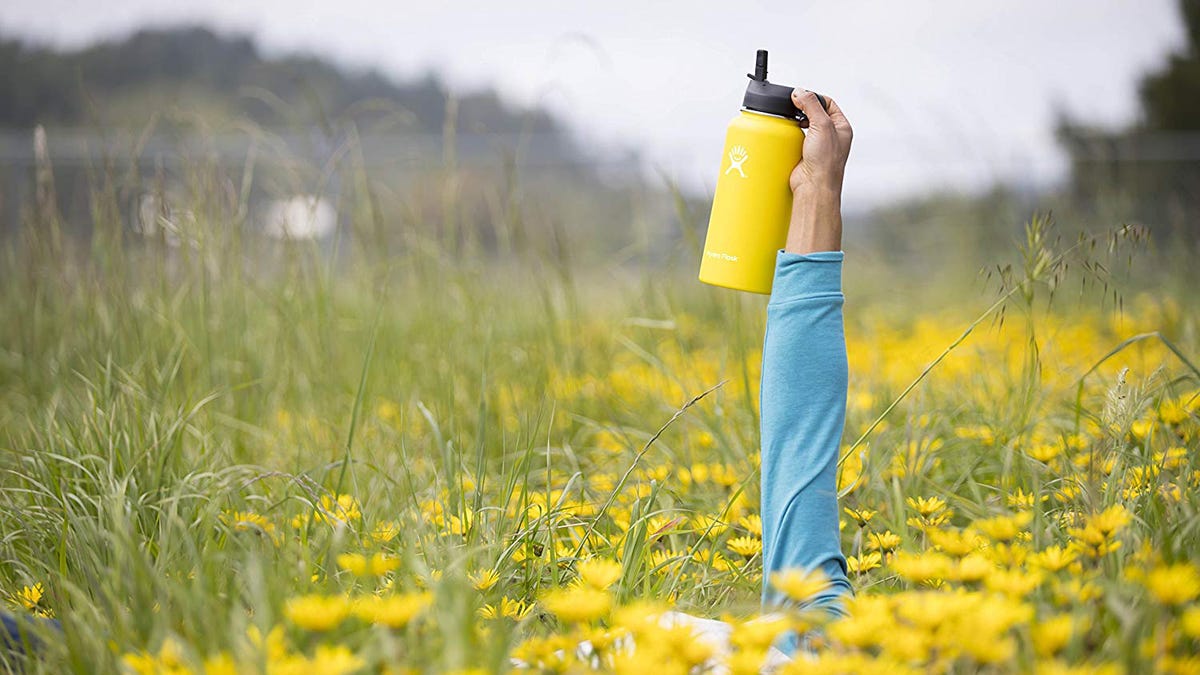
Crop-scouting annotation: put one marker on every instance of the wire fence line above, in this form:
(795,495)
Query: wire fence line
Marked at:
(300,176)
(76,147)
(81,146)
(890,168)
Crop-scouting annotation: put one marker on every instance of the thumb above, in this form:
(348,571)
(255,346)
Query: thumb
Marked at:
(813,108)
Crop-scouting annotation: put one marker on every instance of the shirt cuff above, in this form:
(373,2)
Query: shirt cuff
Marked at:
(806,275)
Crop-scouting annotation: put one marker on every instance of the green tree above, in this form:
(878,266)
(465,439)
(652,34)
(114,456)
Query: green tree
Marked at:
(1152,168)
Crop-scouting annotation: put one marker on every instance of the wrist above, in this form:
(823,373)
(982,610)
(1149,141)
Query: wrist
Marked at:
(821,192)
(816,222)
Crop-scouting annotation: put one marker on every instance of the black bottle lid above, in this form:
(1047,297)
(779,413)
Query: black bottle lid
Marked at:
(773,99)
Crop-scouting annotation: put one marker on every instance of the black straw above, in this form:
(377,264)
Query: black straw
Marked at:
(760,66)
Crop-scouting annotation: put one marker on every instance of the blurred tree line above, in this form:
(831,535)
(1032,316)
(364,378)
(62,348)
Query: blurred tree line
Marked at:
(123,82)
(462,166)
(1150,170)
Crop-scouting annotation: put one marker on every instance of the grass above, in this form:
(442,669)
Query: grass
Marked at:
(214,454)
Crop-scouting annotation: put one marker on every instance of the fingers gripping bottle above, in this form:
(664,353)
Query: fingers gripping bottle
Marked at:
(753,201)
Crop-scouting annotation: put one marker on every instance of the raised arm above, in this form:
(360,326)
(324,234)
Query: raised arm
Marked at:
(804,371)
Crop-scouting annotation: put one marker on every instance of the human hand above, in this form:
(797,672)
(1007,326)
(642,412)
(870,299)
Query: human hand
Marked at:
(816,181)
(826,144)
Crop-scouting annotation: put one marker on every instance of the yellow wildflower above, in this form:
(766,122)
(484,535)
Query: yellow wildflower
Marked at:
(971,568)
(658,526)
(924,567)
(273,645)
(861,516)
(1173,411)
(978,432)
(1111,520)
(753,523)
(554,653)
(1141,429)
(1019,499)
(1044,452)
(362,566)
(709,526)
(1004,528)
(599,573)
(461,524)
(354,563)
(340,509)
(220,664)
(1054,558)
(514,609)
(1190,622)
(483,579)
(382,564)
(1096,538)
(926,506)
(800,585)
(864,563)
(385,531)
(712,558)
(141,663)
(867,620)
(1015,583)
(248,521)
(955,542)
(665,561)
(317,612)
(1176,584)
(388,411)
(1052,634)
(850,471)
(31,596)
(393,611)
(1068,492)
(1009,555)
(885,541)
(933,519)
(745,546)
(1075,590)
(757,636)
(334,660)
(578,605)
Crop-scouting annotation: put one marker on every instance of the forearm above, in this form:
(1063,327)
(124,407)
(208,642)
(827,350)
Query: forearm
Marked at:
(803,404)
(816,223)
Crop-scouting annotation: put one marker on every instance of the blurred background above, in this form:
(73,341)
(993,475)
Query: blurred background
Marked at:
(595,124)
(262,261)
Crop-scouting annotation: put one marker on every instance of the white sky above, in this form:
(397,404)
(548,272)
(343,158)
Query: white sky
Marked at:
(941,94)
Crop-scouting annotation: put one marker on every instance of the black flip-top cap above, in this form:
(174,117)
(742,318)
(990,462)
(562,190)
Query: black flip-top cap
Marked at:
(773,99)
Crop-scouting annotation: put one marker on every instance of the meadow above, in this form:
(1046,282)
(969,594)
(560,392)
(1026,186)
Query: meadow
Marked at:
(236,455)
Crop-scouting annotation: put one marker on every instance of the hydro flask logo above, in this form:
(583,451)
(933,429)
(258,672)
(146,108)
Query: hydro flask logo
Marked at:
(721,256)
(737,157)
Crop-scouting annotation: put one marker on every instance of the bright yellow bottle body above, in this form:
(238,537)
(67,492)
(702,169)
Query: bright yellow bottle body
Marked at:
(753,202)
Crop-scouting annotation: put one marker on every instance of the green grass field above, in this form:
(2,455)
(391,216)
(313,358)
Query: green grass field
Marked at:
(246,456)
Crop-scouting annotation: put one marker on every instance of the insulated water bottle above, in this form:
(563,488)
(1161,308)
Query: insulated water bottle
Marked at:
(753,202)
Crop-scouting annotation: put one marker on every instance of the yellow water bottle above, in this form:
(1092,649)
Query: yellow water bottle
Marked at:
(753,202)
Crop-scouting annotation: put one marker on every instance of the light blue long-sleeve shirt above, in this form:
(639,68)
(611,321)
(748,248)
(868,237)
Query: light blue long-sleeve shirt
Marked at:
(803,404)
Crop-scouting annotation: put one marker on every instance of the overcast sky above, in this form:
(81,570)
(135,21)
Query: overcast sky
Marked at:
(941,94)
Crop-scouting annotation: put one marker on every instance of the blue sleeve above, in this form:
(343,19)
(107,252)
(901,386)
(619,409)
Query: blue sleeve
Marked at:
(803,404)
